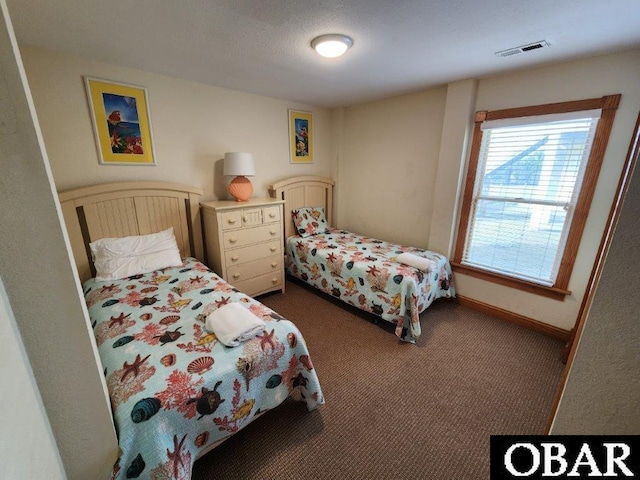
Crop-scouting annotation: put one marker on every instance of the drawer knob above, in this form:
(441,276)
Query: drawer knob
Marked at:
(244,219)
(274,280)
(236,275)
(233,240)
(231,221)
(273,249)
(234,258)
(274,264)
(272,232)
(272,215)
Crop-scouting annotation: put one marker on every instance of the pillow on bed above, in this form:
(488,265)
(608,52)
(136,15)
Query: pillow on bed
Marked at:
(116,258)
(310,221)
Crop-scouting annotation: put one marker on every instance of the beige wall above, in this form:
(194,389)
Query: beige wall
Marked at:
(387,167)
(193,126)
(44,294)
(394,151)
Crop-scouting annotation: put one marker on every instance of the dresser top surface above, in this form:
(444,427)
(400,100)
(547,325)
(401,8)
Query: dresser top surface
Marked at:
(233,205)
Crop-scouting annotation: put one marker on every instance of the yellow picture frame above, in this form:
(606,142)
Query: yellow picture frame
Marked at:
(120,117)
(300,137)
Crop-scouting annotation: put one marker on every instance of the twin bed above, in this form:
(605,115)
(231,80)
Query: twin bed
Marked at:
(176,391)
(361,271)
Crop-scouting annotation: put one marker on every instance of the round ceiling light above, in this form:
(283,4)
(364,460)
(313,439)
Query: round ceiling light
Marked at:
(332,45)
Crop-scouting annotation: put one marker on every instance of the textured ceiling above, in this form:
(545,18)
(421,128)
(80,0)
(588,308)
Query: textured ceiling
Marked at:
(262,46)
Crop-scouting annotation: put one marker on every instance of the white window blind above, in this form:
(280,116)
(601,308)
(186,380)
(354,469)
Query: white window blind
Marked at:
(527,184)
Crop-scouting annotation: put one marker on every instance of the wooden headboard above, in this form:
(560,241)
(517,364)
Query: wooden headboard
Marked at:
(307,191)
(131,208)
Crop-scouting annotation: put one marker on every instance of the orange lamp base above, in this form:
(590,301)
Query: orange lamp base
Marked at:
(240,188)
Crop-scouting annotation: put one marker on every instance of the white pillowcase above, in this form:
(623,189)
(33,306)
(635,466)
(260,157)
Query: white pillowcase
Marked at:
(116,258)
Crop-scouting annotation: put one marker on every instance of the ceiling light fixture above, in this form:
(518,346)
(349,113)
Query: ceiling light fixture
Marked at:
(332,45)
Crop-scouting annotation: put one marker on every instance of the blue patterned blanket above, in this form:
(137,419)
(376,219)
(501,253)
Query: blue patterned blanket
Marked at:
(364,272)
(176,391)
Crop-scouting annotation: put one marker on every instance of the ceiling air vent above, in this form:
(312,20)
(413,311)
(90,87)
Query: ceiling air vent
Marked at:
(523,48)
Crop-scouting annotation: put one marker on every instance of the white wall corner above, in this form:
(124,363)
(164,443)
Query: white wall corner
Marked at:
(456,131)
(23,417)
(337,152)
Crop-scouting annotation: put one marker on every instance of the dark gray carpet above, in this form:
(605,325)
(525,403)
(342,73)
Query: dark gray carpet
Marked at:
(395,410)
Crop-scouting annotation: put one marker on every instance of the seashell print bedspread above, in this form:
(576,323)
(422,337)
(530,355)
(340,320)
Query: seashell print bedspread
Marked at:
(175,390)
(363,272)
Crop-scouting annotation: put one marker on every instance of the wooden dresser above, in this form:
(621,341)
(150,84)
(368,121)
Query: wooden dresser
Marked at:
(244,243)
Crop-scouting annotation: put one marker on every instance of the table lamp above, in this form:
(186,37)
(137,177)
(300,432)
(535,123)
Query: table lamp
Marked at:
(241,166)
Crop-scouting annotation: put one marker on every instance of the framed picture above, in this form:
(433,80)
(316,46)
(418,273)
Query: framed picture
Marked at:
(300,137)
(120,115)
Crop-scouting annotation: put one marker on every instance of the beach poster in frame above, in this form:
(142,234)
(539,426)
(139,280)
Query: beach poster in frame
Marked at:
(120,116)
(300,137)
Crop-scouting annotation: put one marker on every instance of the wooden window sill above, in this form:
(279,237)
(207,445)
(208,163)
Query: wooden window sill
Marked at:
(550,292)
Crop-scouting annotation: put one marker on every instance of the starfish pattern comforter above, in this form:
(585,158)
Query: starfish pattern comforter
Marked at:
(177,392)
(363,272)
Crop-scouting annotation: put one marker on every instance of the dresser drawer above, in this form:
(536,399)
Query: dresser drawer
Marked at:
(263,283)
(255,268)
(231,220)
(248,254)
(271,214)
(247,236)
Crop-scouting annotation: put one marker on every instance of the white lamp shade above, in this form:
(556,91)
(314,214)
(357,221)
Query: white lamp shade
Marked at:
(239,163)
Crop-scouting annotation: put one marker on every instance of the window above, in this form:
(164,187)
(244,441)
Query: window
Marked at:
(531,177)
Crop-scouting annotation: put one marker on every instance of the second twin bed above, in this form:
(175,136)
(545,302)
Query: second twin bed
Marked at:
(370,274)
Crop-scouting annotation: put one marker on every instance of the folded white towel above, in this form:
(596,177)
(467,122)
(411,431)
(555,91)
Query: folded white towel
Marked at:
(232,324)
(416,261)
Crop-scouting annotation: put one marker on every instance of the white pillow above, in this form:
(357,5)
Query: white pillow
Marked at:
(116,258)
